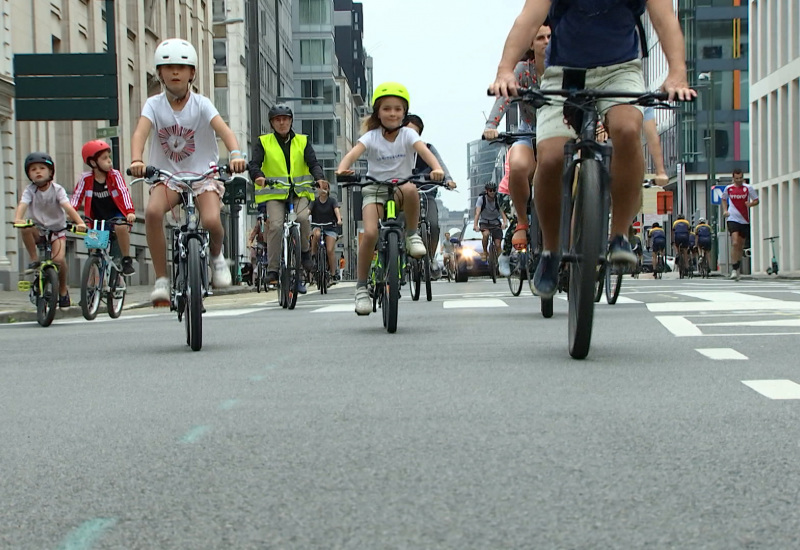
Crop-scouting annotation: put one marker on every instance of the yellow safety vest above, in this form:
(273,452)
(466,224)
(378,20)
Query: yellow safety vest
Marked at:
(274,167)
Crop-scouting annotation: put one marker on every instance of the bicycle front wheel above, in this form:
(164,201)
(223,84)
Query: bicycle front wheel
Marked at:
(194,297)
(415,276)
(47,302)
(613,284)
(91,287)
(391,283)
(517,273)
(601,277)
(294,268)
(493,261)
(322,265)
(586,243)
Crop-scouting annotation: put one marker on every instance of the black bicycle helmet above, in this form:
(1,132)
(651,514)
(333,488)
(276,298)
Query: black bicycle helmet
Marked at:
(281,109)
(44,158)
(416,121)
(490,185)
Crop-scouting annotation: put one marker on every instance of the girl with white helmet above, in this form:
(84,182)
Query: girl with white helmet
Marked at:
(183,127)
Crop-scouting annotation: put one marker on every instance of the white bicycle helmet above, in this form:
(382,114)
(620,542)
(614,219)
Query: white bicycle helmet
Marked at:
(176,51)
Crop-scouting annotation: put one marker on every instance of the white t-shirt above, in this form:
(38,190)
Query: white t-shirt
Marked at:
(44,207)
(181,141)
(390,159)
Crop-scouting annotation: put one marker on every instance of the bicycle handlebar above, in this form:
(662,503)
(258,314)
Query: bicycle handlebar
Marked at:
(541,97)
(71,227)
(509,137)
(356,179)
(153,175)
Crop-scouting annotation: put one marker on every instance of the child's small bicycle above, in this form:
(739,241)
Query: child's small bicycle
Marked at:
(44,287)
(773,269)
(102,274)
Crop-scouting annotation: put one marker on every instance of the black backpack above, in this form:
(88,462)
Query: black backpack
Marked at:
(496,204)
(636,6)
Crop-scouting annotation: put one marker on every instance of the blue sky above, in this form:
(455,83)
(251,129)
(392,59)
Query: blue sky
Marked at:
(446,52)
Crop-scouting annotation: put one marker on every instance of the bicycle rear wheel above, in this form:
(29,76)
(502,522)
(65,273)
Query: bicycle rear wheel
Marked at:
(322,265)
(492,260)
(391,283)
(426,273)
(601,277)
(586,243)
(546,307)
(519,259)
(415,277)
(91,287)
(47,301)
(295,266)
(115,299)
(613,284)
(194,297)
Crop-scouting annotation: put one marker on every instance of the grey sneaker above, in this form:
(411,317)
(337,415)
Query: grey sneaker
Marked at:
(545,279)
(160,294)
(620,253)
(735,274)
(363,301)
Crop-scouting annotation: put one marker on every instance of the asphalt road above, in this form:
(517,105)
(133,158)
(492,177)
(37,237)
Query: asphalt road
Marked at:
(471,427)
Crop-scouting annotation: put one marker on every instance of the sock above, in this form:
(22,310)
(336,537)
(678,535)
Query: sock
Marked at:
(736,265)
(411,232)
(361,284)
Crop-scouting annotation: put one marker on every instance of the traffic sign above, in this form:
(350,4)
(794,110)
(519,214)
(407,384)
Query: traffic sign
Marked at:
(107,132)
(716,194)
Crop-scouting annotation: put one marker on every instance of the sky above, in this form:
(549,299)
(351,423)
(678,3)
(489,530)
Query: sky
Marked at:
(446,53)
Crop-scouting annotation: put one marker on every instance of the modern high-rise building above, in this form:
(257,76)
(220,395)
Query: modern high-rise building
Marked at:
(349,38)
(774,98)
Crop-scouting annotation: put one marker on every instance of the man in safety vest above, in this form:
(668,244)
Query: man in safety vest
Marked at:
(288,158)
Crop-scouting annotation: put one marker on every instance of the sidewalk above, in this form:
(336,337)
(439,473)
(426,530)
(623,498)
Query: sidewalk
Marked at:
(15,306)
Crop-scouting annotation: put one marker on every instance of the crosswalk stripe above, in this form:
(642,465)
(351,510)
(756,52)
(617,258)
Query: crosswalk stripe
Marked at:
(775,389)
(474,303)
(722,354)
(687,307)
(726,297)
(336,308)
(679,326)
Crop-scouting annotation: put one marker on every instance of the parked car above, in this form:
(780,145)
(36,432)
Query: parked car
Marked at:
(647,262)
(468,247)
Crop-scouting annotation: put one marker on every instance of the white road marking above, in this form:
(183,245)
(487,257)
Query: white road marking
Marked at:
(726,297)
(475,303)
(722,354)
(679,326)
(336,308)
(687,307)
(230,312)
(771,323)
(775,389)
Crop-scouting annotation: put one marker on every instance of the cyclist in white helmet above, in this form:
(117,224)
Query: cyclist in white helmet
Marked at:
(183,127)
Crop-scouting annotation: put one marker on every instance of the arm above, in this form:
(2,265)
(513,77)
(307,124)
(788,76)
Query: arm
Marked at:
(477,216)
(310,157)
(338,213)
(236,160)
(352,156)
(753,203)
(724,204)
(499,108)
(654,145)
(73,215)
(256,160)
(533,14)
(669,33)
(19,215)
(422,150)
(77,194)
(138,140)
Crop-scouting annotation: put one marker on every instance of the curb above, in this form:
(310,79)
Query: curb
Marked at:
(25,315)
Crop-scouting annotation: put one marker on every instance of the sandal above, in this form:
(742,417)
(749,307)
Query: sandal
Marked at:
(517,243)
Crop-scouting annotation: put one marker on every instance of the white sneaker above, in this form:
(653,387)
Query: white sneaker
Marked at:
(415,246)
(735,274)
(220,274)
(363,301)
(160,293)
(504,265)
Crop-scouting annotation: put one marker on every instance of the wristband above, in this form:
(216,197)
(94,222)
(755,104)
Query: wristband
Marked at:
(236,152)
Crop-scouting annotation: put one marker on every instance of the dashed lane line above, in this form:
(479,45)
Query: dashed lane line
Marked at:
(722,354)
(775,389)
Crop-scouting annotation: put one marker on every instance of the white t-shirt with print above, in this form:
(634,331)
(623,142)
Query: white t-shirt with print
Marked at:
(182,141)
(44,207)
(390,159)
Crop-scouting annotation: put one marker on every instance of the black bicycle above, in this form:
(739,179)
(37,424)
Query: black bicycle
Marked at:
(585,199)
(419,269)
(387,268)
(190,251)
(321,271)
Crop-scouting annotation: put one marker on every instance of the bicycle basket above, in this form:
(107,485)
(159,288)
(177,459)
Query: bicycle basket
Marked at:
(96,238)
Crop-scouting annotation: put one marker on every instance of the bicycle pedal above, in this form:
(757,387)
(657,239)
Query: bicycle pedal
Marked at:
(24,286)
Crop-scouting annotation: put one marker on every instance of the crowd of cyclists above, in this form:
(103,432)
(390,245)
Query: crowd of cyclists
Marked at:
(183,127)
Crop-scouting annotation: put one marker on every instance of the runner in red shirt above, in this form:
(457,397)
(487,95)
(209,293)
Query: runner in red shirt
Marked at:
(737,199)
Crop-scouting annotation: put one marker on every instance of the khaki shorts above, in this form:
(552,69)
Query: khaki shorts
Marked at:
(625,77)
(374,194)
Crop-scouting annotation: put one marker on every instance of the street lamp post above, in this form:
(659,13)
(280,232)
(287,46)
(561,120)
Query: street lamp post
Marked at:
(711,141)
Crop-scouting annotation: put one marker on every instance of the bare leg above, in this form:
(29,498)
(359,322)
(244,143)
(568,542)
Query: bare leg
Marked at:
(521,166)
(627,165)
(547,192)
(161,200)
(59,257)
(123,234)
(209,205)
(407,196)
(29,237)
(330,243)
(366,248)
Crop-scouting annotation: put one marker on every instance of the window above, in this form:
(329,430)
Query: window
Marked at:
(320,132)
(317,88)
(220,55)
(314,52)
(314,12)
(218,10)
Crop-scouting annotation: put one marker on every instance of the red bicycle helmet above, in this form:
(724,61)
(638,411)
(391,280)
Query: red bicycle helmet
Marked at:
(93,148)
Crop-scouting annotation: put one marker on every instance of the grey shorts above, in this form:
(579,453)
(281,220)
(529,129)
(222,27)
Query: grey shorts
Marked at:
(625,77)
(374,194)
